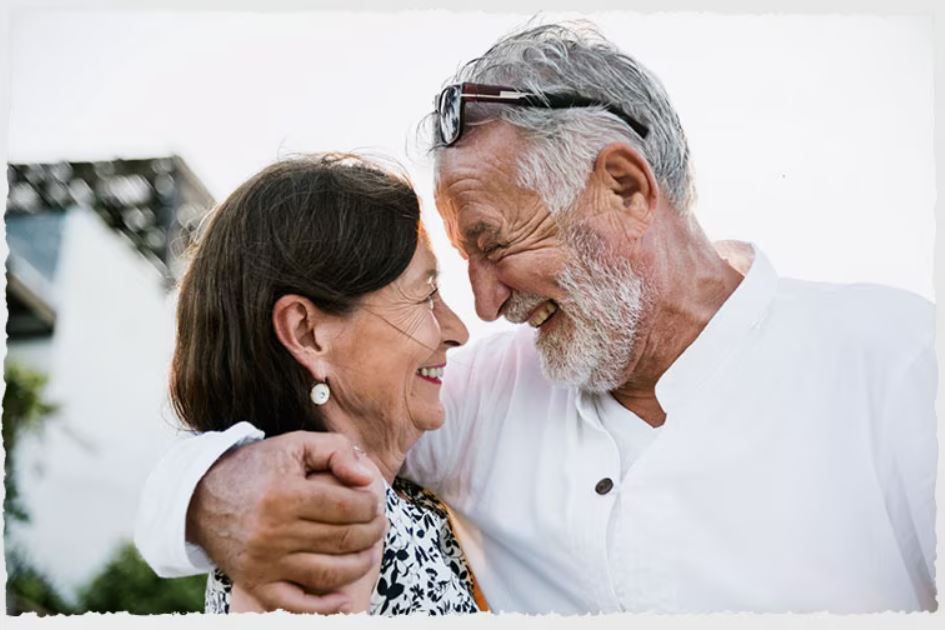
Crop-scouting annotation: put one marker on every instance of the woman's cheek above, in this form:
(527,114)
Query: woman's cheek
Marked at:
(425,330)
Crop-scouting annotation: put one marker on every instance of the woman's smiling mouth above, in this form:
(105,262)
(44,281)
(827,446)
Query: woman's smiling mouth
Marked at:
(433,373)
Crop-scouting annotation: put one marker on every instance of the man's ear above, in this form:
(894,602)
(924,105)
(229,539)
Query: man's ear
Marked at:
(627,180)
(303,329)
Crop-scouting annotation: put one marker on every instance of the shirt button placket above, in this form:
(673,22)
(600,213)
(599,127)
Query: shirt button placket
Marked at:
(604,580)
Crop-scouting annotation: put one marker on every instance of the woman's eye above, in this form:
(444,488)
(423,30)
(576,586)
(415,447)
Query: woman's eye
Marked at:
(431,299)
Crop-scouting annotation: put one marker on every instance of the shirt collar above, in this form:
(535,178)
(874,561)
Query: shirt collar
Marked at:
(743,310)
(726,331)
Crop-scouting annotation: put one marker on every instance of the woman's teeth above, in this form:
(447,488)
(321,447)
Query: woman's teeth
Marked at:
(436,372)
(543,313)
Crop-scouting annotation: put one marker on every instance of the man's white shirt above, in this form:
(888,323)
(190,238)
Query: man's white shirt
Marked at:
(795,470)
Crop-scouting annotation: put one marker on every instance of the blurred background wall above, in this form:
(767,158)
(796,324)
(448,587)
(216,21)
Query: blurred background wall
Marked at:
(95,250)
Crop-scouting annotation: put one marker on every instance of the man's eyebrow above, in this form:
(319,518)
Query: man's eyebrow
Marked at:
(476,230)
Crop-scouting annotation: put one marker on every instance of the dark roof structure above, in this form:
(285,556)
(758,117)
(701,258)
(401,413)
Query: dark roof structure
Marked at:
(155,203)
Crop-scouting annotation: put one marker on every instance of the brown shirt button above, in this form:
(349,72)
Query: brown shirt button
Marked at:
(604,486)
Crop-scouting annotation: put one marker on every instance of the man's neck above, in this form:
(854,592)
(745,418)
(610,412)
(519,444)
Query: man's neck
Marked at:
(698,282)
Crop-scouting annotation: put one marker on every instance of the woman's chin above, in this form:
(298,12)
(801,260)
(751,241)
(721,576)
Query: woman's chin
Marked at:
(430,418)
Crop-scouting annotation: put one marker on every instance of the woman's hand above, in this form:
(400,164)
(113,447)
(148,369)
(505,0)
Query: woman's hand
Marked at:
(242,601)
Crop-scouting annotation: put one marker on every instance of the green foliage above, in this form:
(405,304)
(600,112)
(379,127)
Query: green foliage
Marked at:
(28,590)
(23,411)
(23,406)
(127,583)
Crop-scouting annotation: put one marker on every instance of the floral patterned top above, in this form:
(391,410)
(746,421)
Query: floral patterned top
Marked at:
(423,569)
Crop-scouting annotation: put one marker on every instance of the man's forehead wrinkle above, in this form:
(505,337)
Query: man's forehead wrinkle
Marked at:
(537,224)
(474,210)
(476,166)
(464,190)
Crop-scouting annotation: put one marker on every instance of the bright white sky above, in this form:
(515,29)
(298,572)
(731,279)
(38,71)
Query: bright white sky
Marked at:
(812,136)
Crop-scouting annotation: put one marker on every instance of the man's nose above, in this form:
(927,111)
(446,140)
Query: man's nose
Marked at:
(489,291)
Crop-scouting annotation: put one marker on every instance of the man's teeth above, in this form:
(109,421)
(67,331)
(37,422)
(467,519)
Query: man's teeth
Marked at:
(436,372)
(544,312)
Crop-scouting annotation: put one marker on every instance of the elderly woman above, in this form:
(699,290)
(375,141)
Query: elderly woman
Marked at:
(311,303)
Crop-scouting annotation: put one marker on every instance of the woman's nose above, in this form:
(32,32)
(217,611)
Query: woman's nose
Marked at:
(453,331)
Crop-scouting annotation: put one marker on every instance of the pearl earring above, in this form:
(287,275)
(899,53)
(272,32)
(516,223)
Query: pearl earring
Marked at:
(320,393)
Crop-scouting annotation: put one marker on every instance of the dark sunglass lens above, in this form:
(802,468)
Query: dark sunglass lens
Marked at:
(450,101)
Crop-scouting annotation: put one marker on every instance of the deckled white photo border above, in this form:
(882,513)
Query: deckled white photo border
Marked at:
(931,8)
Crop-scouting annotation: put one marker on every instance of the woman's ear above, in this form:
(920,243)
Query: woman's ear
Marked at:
(302,328)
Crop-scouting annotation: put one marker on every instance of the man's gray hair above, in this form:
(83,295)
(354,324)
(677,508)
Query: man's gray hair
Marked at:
(564,143)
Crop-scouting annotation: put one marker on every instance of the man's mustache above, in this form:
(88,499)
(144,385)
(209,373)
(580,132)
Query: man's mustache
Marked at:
(520,305)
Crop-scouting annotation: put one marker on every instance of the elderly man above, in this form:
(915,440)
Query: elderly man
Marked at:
(669,432)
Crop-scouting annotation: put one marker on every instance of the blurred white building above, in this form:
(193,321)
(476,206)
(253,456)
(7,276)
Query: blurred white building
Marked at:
(94,249)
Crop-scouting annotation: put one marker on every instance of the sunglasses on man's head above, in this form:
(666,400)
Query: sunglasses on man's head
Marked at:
(450,105)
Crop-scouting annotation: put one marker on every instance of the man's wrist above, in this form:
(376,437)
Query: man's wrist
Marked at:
(160,532)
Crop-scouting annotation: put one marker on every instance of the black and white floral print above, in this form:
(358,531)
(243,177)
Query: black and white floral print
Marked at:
(217,596)
(423,569)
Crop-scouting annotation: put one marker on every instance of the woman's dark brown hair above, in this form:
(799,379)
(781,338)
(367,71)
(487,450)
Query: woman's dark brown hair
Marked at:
(330,228)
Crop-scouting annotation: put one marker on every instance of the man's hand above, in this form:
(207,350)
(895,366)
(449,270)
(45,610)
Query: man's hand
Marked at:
(290,537)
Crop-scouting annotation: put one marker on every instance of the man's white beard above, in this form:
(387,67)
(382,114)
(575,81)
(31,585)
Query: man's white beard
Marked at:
(605,299)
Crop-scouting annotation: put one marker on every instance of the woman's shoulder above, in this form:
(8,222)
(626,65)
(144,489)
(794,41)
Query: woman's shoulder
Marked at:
(421,521)
(419,497)
(423,568)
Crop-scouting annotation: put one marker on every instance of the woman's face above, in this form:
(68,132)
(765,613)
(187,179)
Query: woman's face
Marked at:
(391,353)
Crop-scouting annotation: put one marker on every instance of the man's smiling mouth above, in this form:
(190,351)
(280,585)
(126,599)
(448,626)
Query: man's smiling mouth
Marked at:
(541,314)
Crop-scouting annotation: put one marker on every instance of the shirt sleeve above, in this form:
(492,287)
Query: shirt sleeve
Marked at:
(161,524)
(908,468)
